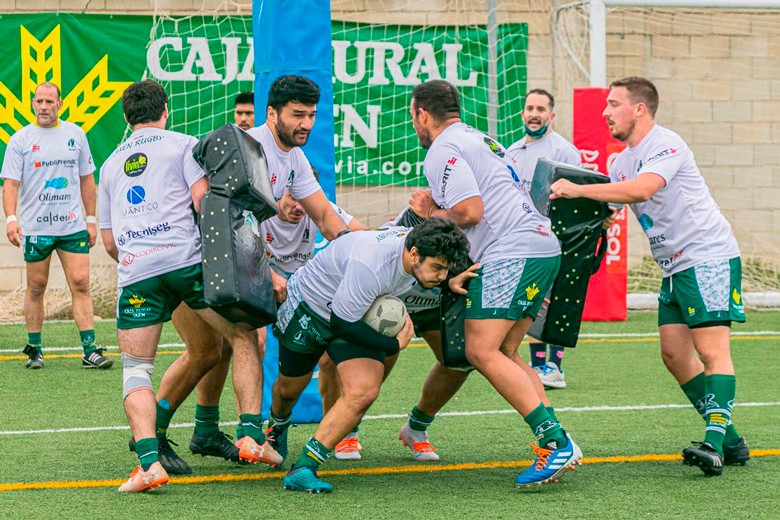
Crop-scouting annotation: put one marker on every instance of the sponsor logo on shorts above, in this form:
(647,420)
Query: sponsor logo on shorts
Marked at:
(691,311)
(468,303)
(135,165)
(736,296)
(531,291)
(304,322)
(136,301)
(136,311)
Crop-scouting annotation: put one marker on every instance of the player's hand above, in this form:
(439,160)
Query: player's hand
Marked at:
(563,189)
(92,232)
(457,282)
(280,286)
(610,219)
(406,334)
(422,203)
(543,308)
(14,233)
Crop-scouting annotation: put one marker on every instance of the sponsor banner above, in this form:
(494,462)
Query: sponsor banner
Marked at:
(606,299)
(95,57)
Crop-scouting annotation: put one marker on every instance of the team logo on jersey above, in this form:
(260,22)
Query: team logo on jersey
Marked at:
(57,183)
(452,161)
(136,301)
(71,144)
(494,146)
(290,179)
(36,148)
(273,178)
(135,165)
(305,235)
(527,207)
(646,221)
(268,238)
(136,195)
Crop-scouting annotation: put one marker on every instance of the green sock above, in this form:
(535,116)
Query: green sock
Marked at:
(34,339)
(206,420)
(88,341)
(240,434)
(313,454)
(551,411)
(278,424)
(164,416)
(147,452)
(720,391)
(253,426)
(695,391)
(545,427)
(418,421)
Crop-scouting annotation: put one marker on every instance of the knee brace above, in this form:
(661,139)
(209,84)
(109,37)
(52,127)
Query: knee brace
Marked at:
(136,374)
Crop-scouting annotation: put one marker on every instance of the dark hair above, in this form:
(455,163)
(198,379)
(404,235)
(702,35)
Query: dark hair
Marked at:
(286,89)
(542,92)
(245,98)
(640,90)
(49,84)
(437,97)
(144,102)
(440,238)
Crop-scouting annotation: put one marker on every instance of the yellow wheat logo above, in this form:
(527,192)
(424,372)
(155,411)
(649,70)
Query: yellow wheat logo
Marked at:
(737,297)
(85,105)
(532,291)
(136,301)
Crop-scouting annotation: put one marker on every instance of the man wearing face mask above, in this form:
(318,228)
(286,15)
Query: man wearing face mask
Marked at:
(540,141)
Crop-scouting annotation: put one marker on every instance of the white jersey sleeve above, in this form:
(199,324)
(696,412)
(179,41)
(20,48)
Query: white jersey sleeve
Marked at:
(452,180)
(357,291)
(190,168)
(13,162)
(86,164)
(664,161)
(104,202)
(346,217)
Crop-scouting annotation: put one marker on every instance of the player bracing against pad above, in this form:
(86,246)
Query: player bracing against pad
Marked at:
(473,182)
(540,141)
(692,242)
(326,300)
(47,172)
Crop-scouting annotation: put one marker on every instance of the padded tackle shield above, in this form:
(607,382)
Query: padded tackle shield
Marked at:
(236,276)
(453,336)
(577,223)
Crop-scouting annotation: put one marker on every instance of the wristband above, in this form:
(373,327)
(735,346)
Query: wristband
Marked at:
(342,232)
(11,218)
(91,219)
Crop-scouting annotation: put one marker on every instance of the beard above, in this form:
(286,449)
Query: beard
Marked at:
(424,138)
(287,135)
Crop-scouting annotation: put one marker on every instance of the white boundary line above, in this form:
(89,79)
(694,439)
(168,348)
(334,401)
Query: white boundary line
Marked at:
(590,336)
(604,408)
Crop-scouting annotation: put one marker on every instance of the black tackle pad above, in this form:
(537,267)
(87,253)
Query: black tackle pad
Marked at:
(453,335)
(236,276)
(577,223)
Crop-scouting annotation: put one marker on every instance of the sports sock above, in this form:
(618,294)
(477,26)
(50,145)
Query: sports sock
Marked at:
(240,433)
(695,392)
(147,451)
(418,421)
(164,416)
(551,411)
(313,454)
(253,426)
(545,428)
(206,420)
(278,424)
(720,390)
(88,341)
(34,340)
(556,356)
(538,353)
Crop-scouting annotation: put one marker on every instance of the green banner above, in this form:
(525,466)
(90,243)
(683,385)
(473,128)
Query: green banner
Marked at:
(203,62)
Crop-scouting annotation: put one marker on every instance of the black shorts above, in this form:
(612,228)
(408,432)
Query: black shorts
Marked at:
(299,364)
(426,321)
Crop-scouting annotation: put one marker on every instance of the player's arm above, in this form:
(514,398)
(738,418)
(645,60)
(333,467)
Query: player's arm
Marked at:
(317,206)
(108,242)
(197,190)
(640,189)
(10,198)
(352,223)
(89,199)
(465,213)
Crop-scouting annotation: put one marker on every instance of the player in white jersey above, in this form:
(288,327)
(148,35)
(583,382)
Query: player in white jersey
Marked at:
(244,111)
(541,141)
(327,299)
(149,188)
(48,170)
(291,111)
(694,245)
(473,182)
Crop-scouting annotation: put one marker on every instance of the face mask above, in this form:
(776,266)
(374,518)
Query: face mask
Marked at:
(536,134)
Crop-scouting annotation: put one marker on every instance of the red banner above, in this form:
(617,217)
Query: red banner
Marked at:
(606,299)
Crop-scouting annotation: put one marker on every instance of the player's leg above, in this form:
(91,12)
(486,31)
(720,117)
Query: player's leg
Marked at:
(361,372)
(37,257)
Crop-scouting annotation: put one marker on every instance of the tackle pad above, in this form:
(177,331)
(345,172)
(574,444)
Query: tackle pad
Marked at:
(577,224)
(236,275)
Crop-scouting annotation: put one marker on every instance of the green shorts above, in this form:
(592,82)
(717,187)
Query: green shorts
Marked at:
(426,321)
(40,247)
(511,289)
(303,337)
(705,293)
(154,299)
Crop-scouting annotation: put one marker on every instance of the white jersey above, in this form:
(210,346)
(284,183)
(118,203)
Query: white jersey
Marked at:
(352,272)
(552,146)
(48,163)
(145,200)
(463,163)
(288,170)
(288,245)
(682,221)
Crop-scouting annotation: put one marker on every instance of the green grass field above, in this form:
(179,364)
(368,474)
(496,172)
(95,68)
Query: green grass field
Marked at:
(631,444)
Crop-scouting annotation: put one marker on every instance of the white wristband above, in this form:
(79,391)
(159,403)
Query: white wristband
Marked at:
(11,218)
(91,219)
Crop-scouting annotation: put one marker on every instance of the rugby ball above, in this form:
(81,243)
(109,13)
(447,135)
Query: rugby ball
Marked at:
(387,315)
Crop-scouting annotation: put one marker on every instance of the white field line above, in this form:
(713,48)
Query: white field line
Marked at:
(628,408)
(627,335)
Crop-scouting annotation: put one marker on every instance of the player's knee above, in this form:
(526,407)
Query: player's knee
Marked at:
(477,357)
(36,288)
(359,399)
(136,374)
(285,390)
(80,285)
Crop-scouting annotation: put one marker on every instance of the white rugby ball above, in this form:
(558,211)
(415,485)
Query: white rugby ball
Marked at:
(387,315)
